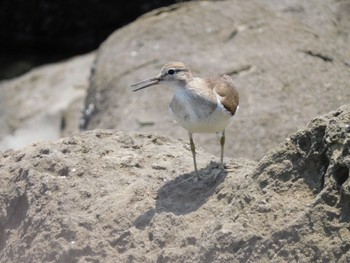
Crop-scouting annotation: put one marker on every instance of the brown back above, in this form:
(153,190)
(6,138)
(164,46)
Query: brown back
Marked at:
(228,93)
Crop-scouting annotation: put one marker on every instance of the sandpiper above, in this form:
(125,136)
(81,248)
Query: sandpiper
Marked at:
(200,105)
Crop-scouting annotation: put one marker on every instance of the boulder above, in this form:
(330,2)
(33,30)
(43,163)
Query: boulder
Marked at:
(110,196)
(45,103)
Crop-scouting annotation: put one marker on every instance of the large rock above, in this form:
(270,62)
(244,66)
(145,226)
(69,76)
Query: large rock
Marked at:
(104,196)
(45,103)
(290,61)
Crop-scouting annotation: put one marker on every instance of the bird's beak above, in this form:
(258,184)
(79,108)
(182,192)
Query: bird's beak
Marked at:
(145,83)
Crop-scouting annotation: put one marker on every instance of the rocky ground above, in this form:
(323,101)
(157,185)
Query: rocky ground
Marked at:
(129,194)
(107,196)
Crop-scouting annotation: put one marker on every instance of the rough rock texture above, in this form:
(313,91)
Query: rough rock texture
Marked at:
(104,196)
(43,104)
(290,60)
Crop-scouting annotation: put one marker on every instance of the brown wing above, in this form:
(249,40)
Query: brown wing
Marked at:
(226,89)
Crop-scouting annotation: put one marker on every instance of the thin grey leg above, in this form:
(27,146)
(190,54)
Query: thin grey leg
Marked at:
(222,143)
(193,149)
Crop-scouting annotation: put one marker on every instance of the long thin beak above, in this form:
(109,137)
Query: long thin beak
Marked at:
(145,83)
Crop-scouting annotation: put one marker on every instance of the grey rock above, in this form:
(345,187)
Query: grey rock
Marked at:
(45,103)
(108,196)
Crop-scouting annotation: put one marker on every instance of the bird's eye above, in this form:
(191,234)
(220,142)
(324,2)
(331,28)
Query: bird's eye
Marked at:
(171,72)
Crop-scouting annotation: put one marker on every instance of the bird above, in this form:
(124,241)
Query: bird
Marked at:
(199,105)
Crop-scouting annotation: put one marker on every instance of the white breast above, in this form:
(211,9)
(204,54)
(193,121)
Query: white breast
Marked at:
(196,115)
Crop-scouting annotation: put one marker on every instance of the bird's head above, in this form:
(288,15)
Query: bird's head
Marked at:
(172,73)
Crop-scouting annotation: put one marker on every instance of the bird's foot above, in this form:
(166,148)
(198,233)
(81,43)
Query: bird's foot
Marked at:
(203,176)
(222,166)
(229,167)
(209,175)
(212,175)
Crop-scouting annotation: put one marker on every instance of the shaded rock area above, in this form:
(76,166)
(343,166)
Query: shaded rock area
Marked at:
(107,196)
(289,59)
(45,103)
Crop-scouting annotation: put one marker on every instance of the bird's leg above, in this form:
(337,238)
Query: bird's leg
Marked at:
(222,143)
(193,149)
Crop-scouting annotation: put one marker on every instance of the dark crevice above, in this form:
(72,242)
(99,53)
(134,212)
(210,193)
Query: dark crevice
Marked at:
(324,168)
(162,10)
(63,123)
(239,70)
(341,174)
(231,35)
(312,53)
(322,179)
(344,205)
(3,237)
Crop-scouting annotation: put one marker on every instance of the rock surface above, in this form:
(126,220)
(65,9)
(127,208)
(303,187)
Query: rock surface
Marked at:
(287,67)
(104,196)
(45,103)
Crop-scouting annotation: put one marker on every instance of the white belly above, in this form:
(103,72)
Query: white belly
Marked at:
(195,117)
(215,122)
